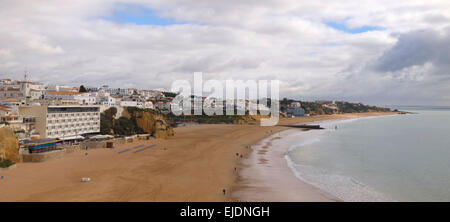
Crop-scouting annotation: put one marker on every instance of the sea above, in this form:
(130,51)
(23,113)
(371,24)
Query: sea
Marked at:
(383,158)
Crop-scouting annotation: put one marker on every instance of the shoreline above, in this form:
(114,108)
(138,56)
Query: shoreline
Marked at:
(267,174)
(267,177)
(194,165)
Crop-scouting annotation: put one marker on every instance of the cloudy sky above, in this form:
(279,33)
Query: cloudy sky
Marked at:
(378,52)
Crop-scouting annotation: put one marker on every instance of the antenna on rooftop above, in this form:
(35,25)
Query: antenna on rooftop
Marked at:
(25,76)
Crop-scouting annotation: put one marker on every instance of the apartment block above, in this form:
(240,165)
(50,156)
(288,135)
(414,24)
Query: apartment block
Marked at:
(64,122)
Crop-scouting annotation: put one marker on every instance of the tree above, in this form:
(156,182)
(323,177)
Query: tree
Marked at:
(82,89)
(107,120)
(125,126)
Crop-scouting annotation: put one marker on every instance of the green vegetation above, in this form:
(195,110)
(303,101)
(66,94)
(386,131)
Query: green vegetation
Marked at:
(346,107)
(128,124)
(82,89)
(126,127)
(316,108)
(4,163)
(107,120)
(122,126)
(151,111)
(169,94)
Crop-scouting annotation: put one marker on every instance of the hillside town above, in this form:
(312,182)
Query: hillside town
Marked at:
(44,116)
(35,110)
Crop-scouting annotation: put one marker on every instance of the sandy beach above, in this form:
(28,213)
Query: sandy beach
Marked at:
(194,165)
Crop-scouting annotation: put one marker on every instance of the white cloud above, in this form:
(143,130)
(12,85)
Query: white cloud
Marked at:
(69,42)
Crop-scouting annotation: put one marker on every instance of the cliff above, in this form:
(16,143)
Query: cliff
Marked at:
(9,145)
(150,122)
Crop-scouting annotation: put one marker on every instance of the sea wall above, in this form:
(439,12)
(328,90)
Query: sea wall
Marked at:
(50,155)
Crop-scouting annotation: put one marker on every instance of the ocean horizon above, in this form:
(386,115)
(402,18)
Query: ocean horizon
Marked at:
(383,158)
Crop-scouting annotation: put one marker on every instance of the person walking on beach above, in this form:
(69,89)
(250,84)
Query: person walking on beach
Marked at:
(224,192)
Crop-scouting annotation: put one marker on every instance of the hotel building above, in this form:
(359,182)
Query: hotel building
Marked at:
(64,122)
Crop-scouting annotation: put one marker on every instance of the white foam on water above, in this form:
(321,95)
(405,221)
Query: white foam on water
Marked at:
(304,143)
(340,186)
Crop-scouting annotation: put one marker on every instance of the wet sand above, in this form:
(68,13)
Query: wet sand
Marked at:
(197,164)
(266,177)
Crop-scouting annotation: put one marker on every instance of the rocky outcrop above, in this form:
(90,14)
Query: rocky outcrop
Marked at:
(250,119)
(151,122)
(9,145)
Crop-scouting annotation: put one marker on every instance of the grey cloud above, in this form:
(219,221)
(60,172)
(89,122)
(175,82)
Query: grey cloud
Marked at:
(416,49)
(67,42)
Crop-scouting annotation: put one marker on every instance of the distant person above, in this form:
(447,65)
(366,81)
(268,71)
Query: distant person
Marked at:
(224,192)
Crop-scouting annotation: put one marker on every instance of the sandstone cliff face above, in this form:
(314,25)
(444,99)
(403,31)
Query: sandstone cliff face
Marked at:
(154,124)
(9,145)
(255,119)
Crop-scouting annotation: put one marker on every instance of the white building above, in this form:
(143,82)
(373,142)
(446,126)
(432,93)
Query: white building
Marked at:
(148,105)
(138,104)
(296,105)
(82,98)
(11,92)
(149,93)
(64,122)
(86,98)
(36,94)
(6,81)
(55,95)
(62,88)
(119,91)
(129,103)
(107,101)
(20,89)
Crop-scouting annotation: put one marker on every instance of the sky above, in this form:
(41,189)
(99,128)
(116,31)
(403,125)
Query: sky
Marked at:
(376,52)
